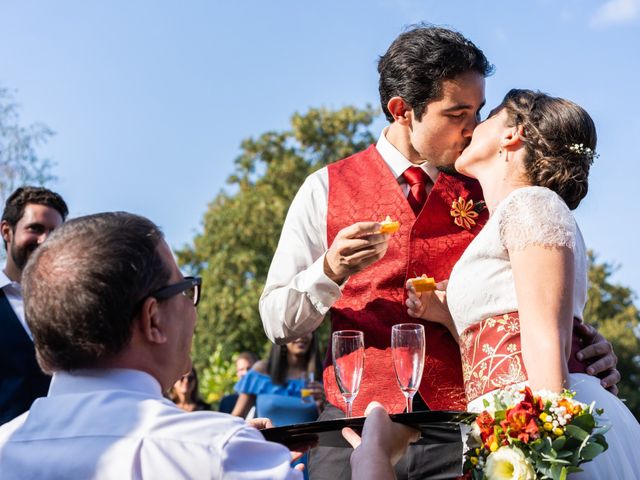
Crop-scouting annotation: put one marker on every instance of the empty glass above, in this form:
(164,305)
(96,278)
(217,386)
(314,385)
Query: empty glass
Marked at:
(407,349)
(348,363)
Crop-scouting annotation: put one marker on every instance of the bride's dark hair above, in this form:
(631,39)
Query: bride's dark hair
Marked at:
(560,141)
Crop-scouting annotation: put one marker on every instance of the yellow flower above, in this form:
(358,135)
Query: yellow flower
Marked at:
(463,213)
(474,461)
(548,427)
(544,416)
(558,431)
(508,464)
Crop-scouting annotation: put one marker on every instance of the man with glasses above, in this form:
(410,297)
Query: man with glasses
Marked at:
(113,319)
(29,216)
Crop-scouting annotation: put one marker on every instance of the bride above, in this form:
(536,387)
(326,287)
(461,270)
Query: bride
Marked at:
(513,294)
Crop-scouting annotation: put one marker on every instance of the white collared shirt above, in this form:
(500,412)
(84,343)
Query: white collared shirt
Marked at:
(115,424)
(297,292)
(13,292)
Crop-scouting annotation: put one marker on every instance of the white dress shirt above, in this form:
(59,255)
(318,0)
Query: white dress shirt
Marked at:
(13,292)
(115,424)
(297,293)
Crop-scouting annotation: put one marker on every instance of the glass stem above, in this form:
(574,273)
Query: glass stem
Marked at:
(409,403)
(349,409)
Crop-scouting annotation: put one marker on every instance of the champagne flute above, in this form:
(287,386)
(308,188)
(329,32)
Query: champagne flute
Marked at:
(347,348)
(407,350)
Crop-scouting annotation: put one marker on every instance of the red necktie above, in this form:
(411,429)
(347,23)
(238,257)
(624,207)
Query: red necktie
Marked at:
(418,180)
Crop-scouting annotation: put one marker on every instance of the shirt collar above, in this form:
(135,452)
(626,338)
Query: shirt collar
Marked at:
(91,380)
(397,162)
(6,281)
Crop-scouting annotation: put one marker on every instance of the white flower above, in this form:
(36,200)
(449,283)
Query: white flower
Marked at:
(475,433)
(549,396)
(508,463)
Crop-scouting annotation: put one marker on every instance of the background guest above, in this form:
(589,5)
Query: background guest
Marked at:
(185,393)
(275,387)
(29,216)
(244,362)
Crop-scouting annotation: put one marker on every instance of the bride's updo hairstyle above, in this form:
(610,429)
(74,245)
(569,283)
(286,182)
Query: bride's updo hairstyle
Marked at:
(560,141)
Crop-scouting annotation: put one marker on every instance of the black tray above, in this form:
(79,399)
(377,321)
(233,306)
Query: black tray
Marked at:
(437,426)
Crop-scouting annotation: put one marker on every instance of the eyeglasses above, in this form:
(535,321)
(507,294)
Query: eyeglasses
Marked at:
(189,287)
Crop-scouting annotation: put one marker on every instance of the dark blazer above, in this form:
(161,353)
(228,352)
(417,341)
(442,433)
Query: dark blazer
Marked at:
(21,380)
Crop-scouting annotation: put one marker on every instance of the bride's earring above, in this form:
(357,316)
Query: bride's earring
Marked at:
(500,152)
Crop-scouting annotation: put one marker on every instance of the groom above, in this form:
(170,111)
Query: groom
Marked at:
(330,258)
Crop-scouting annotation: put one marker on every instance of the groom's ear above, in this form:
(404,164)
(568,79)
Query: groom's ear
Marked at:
(399,110)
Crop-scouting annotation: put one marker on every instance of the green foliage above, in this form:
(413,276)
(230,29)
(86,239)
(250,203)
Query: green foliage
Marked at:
(241,229)
(217,378)
(610,308)
(19,161)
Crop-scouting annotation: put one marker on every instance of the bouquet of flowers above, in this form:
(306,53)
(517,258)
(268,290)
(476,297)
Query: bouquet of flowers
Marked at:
(528,436)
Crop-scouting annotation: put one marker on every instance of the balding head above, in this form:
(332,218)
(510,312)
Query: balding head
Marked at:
(83,287)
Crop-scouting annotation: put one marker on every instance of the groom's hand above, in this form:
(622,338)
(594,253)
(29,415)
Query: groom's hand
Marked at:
(354,249)
(599,354)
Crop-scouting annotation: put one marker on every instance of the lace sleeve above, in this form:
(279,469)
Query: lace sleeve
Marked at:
(536,216)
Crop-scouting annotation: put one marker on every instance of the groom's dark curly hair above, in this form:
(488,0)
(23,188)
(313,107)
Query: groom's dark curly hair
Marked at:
(419,60)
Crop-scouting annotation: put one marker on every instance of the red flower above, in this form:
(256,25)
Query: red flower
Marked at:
(521,421)
(485,422)
(534,405)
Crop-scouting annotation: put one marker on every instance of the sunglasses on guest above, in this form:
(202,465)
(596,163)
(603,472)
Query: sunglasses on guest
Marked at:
(190,287)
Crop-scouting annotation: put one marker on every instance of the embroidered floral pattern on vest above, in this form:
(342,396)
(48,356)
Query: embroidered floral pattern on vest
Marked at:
(492,355)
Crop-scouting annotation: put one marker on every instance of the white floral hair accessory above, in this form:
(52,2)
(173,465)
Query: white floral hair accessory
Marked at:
(580,149)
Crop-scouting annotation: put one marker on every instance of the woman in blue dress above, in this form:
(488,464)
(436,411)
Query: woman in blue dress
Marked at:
(284,388)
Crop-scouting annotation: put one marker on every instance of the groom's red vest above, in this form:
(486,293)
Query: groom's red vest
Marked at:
(363,188)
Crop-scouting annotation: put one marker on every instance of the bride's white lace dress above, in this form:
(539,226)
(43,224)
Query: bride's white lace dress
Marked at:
(482,300)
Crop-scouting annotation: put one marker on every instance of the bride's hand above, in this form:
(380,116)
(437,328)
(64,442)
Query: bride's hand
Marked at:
(430,306)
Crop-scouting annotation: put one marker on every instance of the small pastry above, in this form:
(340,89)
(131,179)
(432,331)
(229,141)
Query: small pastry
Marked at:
(423,284)
(389,226)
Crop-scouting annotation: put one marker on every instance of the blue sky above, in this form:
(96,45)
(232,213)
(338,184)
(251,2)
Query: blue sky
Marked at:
(151,99)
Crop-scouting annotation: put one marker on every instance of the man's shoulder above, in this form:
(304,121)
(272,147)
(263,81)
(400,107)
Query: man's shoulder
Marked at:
(203,425)
(137,416)
(8,429)
(367,154)
(320,178)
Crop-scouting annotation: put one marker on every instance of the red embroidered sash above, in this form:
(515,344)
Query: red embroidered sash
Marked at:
(492,355)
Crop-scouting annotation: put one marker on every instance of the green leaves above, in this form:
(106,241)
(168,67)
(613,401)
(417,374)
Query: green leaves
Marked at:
(242,226)
(611,309)
(558,443)
(574,431)
(585,422)
(218,378)
(591,451)
(19,161)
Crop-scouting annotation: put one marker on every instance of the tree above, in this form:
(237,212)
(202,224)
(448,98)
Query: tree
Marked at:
(610,308)
(241,229)
(19,161)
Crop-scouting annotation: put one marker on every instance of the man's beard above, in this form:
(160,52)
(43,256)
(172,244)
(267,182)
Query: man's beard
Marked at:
(450,169)
(21,255)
